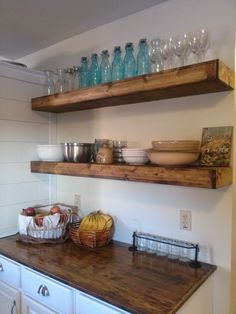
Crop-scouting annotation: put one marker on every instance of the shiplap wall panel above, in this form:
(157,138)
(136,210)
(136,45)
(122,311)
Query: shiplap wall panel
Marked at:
(21,129)
(21,111)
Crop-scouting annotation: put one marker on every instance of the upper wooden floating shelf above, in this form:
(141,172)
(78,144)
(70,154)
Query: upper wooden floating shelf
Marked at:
(201,78)
(203,177)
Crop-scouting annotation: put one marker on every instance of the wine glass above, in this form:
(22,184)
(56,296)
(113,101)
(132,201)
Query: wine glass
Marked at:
(181,48)
(195,46)
(204,40)
(168,53)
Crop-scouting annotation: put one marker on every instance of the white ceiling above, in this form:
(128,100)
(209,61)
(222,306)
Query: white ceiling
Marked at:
(27,26)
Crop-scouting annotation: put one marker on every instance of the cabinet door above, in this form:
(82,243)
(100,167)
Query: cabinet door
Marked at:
(9,300)
(29,306)
(86,304)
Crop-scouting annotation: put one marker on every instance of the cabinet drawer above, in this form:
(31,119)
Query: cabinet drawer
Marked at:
(9,272)
(47,291)
(86,304)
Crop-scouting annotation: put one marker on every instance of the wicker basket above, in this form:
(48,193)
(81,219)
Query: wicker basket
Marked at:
(91,239)
(30,232)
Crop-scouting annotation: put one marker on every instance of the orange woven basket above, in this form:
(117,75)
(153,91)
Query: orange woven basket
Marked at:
(91,239)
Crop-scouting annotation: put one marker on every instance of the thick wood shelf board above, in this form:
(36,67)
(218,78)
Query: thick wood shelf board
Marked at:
(207,77)
(204,177)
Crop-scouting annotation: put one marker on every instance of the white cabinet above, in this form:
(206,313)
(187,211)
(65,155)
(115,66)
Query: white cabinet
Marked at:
(9,299)
(86,304)
(46,291)
(9,287)
(29,306)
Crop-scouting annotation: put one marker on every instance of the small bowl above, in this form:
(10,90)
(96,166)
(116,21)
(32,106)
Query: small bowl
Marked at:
(172,158)
(50,152)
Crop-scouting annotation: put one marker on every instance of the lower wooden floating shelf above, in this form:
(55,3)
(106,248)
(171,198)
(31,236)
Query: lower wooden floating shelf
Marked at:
(203,177)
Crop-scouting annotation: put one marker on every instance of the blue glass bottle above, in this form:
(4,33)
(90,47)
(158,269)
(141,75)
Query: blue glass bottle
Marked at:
(84,73)
(143,59)
(94,72)
(117,65)
(129,61)
(105,67)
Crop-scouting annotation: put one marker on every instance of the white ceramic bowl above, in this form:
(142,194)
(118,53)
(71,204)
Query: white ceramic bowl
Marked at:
(136,160)
(172,158)
(182,145)
(50,152)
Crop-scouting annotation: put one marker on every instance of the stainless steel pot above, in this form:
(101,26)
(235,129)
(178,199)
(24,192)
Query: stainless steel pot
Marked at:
(77,152)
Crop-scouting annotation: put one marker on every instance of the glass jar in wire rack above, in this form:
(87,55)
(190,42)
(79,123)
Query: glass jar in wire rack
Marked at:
(84,73)
(94,71)
(143,59)
(117,65)
(105,67)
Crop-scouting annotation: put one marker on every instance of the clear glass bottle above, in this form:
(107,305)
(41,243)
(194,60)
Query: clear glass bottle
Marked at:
(105,67)
(129,61)
(94,71)
(61,83)
(76,71)
(84,73)
(117,65)
(143,59)
(50,82)
(69,78)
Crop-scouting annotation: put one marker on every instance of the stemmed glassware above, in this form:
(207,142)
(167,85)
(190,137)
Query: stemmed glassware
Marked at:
(199,43)
(181,48)
(168,53)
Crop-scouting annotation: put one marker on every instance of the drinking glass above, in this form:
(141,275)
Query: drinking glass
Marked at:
(156,55)
(50,82)
(162,250)
(181,48)
(204,40)
(195,46)
(142,245)
(168,53)
(174,251)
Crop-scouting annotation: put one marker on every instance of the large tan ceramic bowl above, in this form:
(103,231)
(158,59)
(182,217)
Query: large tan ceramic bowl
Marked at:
(182,145)
(172,158)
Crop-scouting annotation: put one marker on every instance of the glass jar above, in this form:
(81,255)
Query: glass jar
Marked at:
(103,151)
(117,151)
(76,77)
(50,82)
(84,73)
(143,59)
(117,65)
(129,61)
(105,67)
(94,72)
(61,83)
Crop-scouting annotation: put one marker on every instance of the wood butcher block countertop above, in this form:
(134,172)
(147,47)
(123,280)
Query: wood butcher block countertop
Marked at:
(136,282)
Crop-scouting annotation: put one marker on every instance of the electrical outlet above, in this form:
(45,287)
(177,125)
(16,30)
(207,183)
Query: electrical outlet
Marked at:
(185,220)
(77,200)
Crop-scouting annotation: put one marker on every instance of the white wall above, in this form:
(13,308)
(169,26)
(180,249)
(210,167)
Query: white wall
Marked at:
(21,130)
(149,207)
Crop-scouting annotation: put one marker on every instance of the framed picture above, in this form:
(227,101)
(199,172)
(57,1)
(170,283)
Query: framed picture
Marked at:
(216,146)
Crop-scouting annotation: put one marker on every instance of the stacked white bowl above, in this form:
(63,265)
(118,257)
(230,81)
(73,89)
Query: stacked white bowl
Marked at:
(134,156)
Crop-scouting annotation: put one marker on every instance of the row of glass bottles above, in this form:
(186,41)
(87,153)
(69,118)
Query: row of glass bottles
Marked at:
(85,76)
